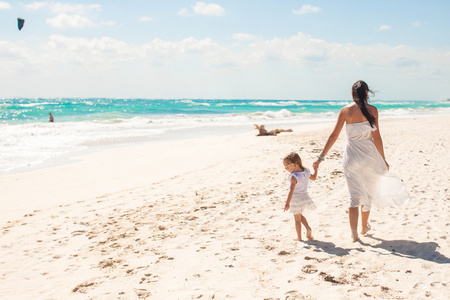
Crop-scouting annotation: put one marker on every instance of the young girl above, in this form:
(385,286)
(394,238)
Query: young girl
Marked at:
(298,199)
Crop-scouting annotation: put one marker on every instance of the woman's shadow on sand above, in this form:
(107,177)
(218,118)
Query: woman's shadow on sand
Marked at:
(403,248)
(410,249)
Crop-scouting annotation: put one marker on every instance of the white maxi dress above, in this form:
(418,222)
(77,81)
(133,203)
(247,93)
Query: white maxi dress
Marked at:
(368,179)
(300,198)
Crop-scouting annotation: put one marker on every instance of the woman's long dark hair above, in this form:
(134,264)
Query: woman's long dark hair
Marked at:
(359,93)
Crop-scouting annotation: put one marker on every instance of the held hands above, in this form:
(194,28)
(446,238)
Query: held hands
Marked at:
(316,164)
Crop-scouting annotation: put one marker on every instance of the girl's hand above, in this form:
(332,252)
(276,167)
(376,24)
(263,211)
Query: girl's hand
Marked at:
(286,207)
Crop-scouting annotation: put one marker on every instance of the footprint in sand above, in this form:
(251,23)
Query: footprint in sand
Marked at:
(310,269)
(83,287)
(295,295)
(142,293)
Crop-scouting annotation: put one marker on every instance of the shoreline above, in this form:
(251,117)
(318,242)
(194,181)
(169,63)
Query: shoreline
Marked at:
(204,218)
(28,145)
(169,136)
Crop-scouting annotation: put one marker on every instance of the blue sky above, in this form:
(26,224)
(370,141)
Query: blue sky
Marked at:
(231,49)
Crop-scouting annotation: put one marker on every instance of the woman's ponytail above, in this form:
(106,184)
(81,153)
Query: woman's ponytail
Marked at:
(359,93)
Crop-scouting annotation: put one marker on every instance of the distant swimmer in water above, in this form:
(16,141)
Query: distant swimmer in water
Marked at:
(263,131)
(51,119)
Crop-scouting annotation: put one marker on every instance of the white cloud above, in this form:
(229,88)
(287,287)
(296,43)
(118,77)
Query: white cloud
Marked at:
(211,9)
(417,24)
(10,51)
(300,49)
(70,16)
(108,23)
(69,21)
(15,58)
(82,51)
(244,37)
(384,27)
(146,19)
(36,5)
(65,8)
(4,5)
(298,54)
(184,12)
(403,62)
(106,50)
(306,9)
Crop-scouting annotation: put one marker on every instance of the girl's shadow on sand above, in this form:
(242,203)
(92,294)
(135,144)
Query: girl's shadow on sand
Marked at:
(328,247)
(411,249)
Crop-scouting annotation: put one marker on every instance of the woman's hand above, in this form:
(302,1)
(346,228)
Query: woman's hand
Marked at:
(387,165)
(286,206)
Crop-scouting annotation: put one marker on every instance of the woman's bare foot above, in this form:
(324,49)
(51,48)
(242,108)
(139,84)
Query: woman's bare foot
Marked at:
(355,236)
(298,240)
(366,229)
(309,234)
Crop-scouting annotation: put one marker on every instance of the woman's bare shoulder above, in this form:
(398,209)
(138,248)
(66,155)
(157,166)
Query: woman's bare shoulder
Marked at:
(372,109)
(344,111)
(347,107)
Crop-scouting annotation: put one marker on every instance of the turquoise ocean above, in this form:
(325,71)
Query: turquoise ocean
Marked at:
(28,139)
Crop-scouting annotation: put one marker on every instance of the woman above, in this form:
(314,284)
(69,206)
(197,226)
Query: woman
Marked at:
(365,167)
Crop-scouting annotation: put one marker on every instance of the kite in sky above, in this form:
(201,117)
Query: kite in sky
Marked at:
(20,22)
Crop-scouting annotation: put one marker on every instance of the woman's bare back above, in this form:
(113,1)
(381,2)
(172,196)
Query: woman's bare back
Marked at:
(353,114)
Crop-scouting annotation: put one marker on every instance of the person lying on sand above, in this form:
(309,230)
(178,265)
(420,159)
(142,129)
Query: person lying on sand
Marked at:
(263,131)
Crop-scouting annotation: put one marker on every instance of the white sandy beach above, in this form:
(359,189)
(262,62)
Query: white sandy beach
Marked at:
(203,219)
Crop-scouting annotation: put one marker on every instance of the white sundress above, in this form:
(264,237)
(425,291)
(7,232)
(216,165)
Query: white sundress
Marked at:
(300,198)
(368,179)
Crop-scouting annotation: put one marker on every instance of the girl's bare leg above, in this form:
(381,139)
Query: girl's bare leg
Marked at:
(365,221)
(308,229)
(353,215)
(298,226)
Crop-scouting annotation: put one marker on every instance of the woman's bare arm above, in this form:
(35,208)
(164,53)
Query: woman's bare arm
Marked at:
(333,136)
